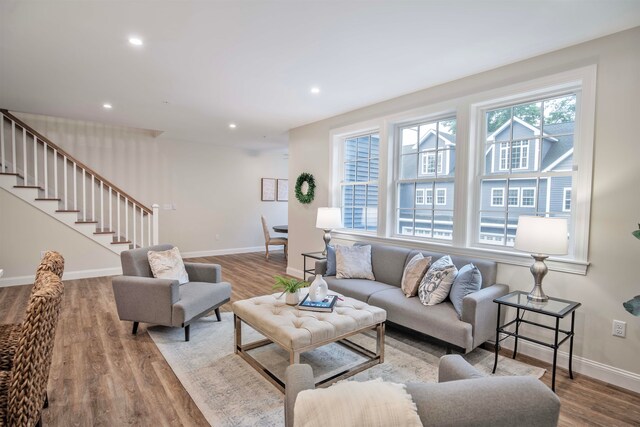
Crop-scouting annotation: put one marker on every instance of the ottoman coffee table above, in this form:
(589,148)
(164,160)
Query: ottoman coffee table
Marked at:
(297,331)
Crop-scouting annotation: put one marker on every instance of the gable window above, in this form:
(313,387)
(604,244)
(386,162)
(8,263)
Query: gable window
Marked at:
(566,197)
(425,151)
(497,197)
(359,187)
(528,199)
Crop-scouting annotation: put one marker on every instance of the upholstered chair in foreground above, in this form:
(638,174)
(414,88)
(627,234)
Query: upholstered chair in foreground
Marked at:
(276,241)
(23,388)
(462,397)
(140,297)
(10,333)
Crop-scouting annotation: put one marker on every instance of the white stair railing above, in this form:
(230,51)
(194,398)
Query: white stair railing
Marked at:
(44,163)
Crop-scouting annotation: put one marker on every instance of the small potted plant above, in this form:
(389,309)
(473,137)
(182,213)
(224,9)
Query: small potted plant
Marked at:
(633,305)
(291,287)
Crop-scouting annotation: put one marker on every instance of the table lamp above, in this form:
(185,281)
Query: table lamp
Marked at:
(328,219)
(541,237)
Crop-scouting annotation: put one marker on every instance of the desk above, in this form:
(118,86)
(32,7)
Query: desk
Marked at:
(281,228)
(555,307)
(315,256)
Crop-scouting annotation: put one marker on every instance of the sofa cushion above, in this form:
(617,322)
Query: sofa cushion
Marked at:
(197,297)
(467,281)
(488,269)
(357,288)
(413,274)
(388,262)
(436,284)
(439,321)
(354,262)
(331,261)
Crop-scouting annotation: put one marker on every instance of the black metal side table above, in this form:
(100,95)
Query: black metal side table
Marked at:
(315,256)
(555,307)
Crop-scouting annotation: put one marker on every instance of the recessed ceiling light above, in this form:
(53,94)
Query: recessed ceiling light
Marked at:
(232,125)
(315,90)
(135,41)
(107,106)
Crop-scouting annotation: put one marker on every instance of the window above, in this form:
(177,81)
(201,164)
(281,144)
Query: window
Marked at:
(359,187)
(534,142)
(528,197)
(497,197)
(425,151)
(566,197)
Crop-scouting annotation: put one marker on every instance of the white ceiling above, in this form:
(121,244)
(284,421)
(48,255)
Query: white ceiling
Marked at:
(253,62)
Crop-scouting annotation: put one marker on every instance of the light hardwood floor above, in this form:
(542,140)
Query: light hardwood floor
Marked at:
(103,376)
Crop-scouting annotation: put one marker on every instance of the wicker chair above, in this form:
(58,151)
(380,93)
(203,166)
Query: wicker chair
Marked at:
(9,333)
(23,388)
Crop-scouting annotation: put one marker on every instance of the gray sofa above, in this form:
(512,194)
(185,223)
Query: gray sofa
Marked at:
(142,298)
(462,397)
(477,323)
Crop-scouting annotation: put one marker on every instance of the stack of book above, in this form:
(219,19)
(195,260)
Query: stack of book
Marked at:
(326,305)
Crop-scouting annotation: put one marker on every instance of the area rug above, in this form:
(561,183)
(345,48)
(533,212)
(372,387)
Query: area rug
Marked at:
(229,392)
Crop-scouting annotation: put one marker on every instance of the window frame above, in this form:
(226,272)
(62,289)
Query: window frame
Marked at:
(522,190)
(501,205)
(437,197)
(566,190)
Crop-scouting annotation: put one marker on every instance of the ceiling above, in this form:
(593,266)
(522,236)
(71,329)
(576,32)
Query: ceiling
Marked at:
(204,64)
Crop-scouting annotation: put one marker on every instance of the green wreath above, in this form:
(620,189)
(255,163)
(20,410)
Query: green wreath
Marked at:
(307,198)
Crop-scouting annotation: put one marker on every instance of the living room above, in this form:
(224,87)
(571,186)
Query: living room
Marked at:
(191,106)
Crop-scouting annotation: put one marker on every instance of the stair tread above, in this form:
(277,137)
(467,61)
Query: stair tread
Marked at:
(121,242)
(68,210)
(103,231)
(11,173)
(46,199)
(86,222)
(28,186)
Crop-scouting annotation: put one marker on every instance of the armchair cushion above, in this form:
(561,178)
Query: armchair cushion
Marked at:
(168,265)
(196,298)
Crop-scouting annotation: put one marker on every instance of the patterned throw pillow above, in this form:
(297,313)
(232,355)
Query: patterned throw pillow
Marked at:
(413,274)
(354,262)
(168,265)
(436,284)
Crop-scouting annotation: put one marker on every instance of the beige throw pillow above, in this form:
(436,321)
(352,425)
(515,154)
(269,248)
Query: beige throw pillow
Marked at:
(354,262)
(436,284)
(351,403)
(413,274)
(168,265)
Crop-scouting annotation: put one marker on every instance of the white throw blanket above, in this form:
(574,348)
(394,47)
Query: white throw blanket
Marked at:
(356,404)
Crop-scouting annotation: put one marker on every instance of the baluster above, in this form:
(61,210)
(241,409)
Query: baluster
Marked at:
(93,198)
(13,146)
(35,160)
(75,187)
(156,226)
(119,229)
(4,164)
(110,210)
(126,219)
(84,195)
(133,219)
(149,229)
(46,171)
(102,205)
(66,185)
(24,157)
(55,173)
(141,227)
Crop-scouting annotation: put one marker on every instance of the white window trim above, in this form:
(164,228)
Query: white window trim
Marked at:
(564,199)
(501,205)
(522,197)
(517,197)
(428,194)
(420,191)
(436,196)
(524,147)
(467,197)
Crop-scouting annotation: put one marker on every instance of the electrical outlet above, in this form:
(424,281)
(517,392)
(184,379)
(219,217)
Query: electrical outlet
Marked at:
(619,328)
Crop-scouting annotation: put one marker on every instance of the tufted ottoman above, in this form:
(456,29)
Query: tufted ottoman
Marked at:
(298,331)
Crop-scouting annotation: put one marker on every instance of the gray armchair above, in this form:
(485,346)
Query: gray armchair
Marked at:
(142,298)
(462,397)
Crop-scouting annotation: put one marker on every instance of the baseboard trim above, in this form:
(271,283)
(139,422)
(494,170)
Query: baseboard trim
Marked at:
(68,275)
(600,371)
(295,273)
(215,252)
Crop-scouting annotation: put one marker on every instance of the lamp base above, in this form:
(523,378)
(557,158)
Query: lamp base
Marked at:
(327,239)
(539,270)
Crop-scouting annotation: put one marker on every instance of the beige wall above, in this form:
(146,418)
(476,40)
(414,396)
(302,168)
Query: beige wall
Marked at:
(614,253)
(216,191)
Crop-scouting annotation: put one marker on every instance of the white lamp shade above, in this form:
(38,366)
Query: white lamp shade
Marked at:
(329,218)
(542,235)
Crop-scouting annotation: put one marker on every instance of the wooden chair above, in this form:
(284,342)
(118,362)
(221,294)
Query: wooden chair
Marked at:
(9,333)
(268,240)
(23,388)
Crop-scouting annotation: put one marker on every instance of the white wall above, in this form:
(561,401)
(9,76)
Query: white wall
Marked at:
(216,191)
(614,254)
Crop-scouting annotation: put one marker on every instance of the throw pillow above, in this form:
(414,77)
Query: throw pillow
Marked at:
(352,403)
(436,284)
(168,265)
(331,261)
(413,274)
(354,262)
(468,280)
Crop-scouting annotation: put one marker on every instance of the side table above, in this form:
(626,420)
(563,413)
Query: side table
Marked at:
(554,307)
(315,256)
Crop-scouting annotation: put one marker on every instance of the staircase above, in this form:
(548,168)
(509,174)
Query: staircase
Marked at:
(48,178)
